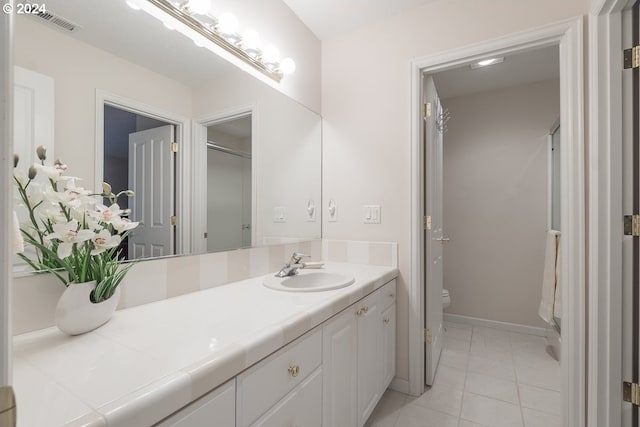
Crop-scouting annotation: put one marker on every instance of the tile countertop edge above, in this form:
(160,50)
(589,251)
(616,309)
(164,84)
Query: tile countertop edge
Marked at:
(166,395)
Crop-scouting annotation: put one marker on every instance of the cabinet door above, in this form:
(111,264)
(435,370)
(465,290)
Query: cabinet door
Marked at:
(300,408)
(369,374)
(388,346)
(339,352)
(215,409)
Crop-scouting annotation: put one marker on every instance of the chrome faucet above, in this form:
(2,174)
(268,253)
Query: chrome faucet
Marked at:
(291,268)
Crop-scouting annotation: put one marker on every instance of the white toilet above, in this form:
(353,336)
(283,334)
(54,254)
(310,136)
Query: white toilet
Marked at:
(446,299)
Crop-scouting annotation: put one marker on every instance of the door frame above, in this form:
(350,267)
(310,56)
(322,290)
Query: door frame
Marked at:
(199,169)
(6,197)
(568,35)
(183,196)
(605,226)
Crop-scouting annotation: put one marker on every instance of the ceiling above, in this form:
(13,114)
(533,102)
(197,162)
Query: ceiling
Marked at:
(519,69)
(330,18)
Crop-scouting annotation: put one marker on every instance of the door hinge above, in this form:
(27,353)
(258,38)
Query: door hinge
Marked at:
(632,225)
(427,222)
(632,57)
(174,147)
(427,109)
(174,220)
(631,393)
(427,335)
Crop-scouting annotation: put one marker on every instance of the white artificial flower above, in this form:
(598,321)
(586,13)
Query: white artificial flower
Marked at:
(52,213)
(68,234)
(124,224)
(103,241)
(109,214)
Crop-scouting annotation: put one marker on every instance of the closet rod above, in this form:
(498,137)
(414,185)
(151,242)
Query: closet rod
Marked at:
(213,146)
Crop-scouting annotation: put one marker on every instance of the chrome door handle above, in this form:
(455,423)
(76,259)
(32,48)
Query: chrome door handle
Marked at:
(442,239)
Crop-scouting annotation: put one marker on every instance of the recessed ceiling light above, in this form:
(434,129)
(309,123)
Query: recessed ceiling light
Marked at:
(487,62)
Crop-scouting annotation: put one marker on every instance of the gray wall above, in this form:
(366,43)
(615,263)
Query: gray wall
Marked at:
(495,201)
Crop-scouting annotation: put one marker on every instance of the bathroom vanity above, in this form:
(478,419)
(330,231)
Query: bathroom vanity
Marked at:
(240,354)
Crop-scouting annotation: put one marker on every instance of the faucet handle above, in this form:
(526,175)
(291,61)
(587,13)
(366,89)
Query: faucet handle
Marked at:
(296,257)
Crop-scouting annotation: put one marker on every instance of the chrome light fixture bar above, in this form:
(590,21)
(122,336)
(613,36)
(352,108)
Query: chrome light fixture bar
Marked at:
(272,70)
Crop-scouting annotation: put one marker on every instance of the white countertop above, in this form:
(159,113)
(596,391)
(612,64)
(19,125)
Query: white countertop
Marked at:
(149,361)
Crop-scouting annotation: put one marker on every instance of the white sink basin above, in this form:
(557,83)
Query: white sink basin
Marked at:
(309,281)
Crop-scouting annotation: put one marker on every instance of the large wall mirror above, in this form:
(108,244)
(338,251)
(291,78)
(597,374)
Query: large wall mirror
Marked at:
(100,84)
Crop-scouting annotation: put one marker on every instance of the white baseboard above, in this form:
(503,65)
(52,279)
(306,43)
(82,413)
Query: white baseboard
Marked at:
(398,384)
(495,324)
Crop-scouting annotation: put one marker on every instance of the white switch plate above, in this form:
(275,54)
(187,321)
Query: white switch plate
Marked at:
(371,214)
(279,214)
(311,211)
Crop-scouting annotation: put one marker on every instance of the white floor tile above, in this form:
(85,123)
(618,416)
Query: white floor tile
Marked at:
(540,419)
(495,388)
(442,399)
(418,416)
(540,399)
(450,377)
(496,368)
(485,378)
(487,411)
(388,409)
(454,358)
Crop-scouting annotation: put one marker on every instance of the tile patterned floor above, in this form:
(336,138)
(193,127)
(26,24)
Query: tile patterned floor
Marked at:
(486,378)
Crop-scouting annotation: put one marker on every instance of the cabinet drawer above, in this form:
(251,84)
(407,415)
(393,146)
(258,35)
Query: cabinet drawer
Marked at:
(300,408)
(387,294)
(261,386)
(214,409)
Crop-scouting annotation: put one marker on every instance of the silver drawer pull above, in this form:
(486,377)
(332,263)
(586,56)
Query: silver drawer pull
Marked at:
(386,319)
(366,309)
(360,311)
(391,295)
(294,370)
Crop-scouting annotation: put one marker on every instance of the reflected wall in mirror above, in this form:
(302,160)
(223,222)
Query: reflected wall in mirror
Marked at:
(117,58)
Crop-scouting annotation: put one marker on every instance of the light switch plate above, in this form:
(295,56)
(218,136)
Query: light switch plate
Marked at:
(371,214)
(279,214)
(333,211)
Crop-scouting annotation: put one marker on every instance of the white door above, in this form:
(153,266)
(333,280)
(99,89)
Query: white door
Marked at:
(433,237)
(151,177)
(33,125)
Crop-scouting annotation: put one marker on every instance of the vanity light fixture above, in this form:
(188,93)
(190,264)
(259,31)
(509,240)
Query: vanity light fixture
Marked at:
(195,16)
(487,62)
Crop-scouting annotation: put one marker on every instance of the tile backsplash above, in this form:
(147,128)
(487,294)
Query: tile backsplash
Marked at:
(35,296)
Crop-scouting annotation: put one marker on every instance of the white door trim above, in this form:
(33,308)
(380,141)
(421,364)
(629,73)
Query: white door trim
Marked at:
(604,400)
(6,198)
(199,169)
(183,137)
(568,35)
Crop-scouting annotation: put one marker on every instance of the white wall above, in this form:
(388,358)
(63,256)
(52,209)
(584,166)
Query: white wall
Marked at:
(366,109)
(78,70)
(495,200)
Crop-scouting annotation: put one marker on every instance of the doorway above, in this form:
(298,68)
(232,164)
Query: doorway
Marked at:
(229,184)
(568,37)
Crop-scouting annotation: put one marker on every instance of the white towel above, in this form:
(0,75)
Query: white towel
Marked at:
(557,301)
(18,242)
(550,277)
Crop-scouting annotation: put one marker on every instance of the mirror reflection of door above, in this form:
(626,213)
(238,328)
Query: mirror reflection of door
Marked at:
(229,184)
(137,156)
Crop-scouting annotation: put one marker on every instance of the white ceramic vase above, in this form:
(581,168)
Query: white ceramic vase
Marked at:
(76,314)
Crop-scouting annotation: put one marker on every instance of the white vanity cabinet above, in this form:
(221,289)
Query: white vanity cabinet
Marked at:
(286,386)
(215,409)
(358,358)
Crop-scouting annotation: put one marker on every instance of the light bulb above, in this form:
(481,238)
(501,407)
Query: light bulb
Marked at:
(251,39)
(133,5)
(287,66)
(227,23)
(270,54)
(199,7)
